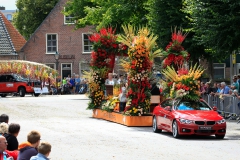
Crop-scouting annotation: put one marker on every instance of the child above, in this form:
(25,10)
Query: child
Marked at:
(44,150)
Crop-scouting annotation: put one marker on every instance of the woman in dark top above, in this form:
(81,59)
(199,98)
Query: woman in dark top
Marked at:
(11,137)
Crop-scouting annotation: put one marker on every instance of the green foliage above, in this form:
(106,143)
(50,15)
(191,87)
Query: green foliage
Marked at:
(30,15)
(105,13)
(217,26)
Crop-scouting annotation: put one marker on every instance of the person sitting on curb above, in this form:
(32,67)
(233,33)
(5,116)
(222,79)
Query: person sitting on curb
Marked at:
(29,148)
(5,154)
(3,128)
(11,137)
(44,150)
(4,118)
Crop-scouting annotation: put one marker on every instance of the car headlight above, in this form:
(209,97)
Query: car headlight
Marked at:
(186,121)
(221,121)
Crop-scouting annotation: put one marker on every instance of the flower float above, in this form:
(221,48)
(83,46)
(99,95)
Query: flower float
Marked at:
(28,69)
(139,67)
(182,83)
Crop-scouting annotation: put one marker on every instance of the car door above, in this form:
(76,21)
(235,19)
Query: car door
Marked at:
(2,84)
(168,117)
(10,84)
(161,119)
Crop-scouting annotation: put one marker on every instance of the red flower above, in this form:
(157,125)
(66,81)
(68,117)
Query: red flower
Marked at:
(114,45)
(178,36)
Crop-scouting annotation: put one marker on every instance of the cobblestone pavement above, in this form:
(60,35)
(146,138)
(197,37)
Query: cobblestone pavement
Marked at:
(64,122)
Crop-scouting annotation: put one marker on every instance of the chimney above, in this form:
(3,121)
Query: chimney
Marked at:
(2,8)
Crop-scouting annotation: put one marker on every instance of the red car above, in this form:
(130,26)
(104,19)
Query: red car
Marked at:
(184,117)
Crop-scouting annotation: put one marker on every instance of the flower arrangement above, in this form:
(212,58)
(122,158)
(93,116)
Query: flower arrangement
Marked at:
(182,83)
(174,52)
(110,104)
(139,66)
(105,48)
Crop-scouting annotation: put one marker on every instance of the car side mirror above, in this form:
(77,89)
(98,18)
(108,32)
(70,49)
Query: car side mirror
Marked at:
(168,108)
(214,108)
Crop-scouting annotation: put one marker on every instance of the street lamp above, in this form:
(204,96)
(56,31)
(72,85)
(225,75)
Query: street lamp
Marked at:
(56,55)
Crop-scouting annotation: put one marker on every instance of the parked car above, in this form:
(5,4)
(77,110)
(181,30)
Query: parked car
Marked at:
(13,83)
(184,117)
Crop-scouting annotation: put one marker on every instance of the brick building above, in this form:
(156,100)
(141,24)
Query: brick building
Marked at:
(56,34)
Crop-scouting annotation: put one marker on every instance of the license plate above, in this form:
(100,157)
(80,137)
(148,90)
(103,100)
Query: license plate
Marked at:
(205,128)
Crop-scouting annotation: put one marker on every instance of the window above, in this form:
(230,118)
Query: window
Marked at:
(87,44)
(168,102)
(219,70)
(9,17)
(51,65)
(51,43)
(84,66)
(69,19)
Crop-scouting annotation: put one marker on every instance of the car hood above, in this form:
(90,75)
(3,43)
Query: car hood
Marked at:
(198,115)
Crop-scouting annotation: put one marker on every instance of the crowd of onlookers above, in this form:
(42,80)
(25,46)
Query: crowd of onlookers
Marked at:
(10,149)
(70,85)
(222,89)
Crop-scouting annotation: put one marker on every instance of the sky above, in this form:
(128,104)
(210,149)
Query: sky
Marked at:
(8,4)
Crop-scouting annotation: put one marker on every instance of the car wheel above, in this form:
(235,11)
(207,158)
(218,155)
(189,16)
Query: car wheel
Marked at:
(21,92)
(36,94)
(219,136)
(155,129)
(175,129)
(3,95)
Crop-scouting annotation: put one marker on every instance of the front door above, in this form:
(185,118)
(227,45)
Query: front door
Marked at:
(66,69)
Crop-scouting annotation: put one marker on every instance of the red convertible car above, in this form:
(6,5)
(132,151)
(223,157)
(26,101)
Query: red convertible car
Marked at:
(184,117)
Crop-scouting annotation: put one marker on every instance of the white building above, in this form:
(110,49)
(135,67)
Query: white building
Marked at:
(7,13)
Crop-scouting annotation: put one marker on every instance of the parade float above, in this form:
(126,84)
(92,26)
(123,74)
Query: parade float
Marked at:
(138,46)
(30,71)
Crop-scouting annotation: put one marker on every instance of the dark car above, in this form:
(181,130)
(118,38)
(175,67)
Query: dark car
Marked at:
(13,83)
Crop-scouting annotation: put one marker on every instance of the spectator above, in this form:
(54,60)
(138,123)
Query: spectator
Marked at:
(72,81)
(44,150)
(224,88)
(4,118)
(235,85)
(11,137)
(5,154)
(64,81)
(202,88)
(28,149)
(208,89)
(77,83)
(3,128)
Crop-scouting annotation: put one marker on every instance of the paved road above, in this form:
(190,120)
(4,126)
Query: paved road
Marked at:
(64,122)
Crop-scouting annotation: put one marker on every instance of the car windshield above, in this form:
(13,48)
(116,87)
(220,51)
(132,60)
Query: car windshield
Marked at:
(192,105)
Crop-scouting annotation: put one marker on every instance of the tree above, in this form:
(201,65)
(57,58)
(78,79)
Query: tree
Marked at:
(30,15)
(217,26)
(102,13)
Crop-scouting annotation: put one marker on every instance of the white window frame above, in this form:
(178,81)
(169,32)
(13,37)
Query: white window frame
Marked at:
(70,17)
(224,66)
(84,52)
(47,43)
(80,66)
(54,64)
